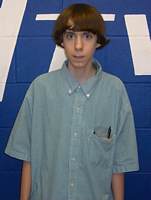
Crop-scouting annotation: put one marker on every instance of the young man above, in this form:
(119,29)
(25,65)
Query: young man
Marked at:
(75,129)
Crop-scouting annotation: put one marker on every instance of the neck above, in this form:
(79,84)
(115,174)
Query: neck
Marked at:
(82,74)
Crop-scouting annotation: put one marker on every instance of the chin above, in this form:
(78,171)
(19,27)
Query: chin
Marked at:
(78,65)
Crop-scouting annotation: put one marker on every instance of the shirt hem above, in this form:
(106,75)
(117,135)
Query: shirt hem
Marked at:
(121,169)
(17,155)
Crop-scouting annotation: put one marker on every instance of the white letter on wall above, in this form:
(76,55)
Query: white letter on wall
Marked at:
(140,43)
(11,14)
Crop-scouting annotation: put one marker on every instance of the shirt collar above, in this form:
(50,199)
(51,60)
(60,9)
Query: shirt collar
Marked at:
(88,86)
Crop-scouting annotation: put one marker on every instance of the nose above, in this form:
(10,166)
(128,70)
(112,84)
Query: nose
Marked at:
(78,43)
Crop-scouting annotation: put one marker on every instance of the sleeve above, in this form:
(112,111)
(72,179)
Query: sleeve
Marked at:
(125,153)
(19,142)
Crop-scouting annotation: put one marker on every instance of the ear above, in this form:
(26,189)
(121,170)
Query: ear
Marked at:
(98,45)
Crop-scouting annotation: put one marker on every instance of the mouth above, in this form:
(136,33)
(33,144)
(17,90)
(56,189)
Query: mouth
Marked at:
(78,57)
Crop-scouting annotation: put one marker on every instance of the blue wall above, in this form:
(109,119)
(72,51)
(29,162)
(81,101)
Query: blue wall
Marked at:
(32,56)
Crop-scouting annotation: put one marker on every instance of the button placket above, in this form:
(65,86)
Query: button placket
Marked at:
(75,142)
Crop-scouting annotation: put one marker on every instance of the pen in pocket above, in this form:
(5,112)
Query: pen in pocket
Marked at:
(109,133)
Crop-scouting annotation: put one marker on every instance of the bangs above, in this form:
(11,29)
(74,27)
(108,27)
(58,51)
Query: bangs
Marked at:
(83,22)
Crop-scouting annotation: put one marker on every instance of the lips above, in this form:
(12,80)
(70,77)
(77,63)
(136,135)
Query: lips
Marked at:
(78,57)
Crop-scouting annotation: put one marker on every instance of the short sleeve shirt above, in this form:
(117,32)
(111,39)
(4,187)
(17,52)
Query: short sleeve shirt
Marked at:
(75,135)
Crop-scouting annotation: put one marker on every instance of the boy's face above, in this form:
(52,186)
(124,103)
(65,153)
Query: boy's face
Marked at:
(79,48)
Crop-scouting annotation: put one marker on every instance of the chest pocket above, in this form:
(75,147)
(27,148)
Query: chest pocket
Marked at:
(100,142)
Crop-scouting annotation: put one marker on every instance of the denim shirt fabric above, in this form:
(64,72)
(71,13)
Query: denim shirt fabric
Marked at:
(75,136)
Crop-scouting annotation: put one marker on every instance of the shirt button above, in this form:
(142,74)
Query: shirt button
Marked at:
(88,95)
(71,184)
(78,109)
(69,91)
(75,134)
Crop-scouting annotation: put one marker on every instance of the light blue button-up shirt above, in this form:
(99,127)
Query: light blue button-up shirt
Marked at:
(75,136)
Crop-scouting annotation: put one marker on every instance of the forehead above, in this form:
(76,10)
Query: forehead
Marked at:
(70,24)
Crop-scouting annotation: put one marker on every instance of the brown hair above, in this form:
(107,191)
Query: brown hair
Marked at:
(80,17)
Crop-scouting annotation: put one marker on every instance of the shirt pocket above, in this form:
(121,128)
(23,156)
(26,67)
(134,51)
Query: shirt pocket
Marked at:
(100,146)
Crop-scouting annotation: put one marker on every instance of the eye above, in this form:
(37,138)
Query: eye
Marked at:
(88,35)
(69,35)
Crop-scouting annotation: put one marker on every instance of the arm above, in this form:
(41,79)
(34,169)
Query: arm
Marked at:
(118,186)
(25,181)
